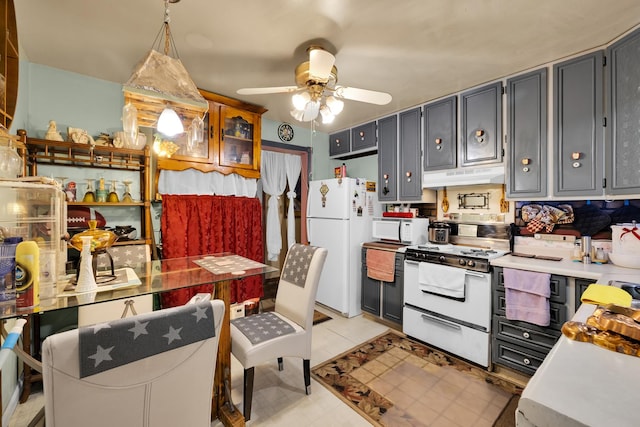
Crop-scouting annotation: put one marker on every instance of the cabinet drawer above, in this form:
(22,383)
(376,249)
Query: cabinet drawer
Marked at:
(557,283)
(523,333)
(516,357)
(557,312)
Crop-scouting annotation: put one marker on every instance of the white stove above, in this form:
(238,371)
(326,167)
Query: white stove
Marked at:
(447,298)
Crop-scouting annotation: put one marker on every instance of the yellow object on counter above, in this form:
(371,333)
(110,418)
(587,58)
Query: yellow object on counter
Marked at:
(604,294)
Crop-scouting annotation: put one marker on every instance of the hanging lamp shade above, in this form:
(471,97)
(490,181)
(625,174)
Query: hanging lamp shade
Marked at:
(160,81)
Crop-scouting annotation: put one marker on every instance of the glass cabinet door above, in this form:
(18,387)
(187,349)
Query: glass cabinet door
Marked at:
(237,147)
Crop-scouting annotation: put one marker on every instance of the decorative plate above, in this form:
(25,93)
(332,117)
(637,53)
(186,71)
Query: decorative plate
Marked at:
(285,132)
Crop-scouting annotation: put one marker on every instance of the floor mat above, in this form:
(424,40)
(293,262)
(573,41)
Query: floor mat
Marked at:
(392,380)
(319,317)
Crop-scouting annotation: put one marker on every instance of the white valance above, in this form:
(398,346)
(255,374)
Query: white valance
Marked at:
(191,181)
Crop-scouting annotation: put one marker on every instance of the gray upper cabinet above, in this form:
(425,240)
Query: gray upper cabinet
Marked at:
(409,148)
(440,134)
(339,143)
(481,125)
(363,138)
(527,134)
(388,159)
(623,109)
(578,132)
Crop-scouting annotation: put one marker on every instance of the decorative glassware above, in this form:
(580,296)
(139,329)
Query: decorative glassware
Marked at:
(126,197)
(90,195)
(100,239)
(113,196)
(130,125)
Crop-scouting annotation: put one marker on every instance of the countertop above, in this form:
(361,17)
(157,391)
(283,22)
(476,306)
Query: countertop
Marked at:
(566,267)
(580,383)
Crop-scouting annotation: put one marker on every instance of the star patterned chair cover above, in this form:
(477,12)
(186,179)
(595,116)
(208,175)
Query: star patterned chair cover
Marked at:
(154,369)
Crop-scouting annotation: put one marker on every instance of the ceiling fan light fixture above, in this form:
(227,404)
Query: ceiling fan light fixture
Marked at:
(311,111)
(327,115)
(334,104)
(169,123)
(297,114)
(300,100)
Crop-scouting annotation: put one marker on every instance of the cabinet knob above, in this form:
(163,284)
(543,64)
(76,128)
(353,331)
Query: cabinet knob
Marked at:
(525,161)
(576,155)
(408,174)
(362,135)
(480,135)
(438,142)
(338,142)
(386,177)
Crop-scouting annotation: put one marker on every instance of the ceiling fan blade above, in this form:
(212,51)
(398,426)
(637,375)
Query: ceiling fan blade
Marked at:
(363,95)
(264,90)
(320,64)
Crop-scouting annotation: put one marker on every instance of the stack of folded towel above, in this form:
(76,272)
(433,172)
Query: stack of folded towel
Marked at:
(527,296)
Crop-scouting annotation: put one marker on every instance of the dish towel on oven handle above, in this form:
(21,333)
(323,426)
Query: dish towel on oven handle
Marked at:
(527,296)
(441,280)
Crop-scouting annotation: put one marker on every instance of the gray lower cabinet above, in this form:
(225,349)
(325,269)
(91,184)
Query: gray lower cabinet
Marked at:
(623,109)
(383,299)
(340,143)
(410,158)
(481,125)
(440,134)
(363,138)
(527,134)
(388,159)
(521,345)
(578,120)
(581,286)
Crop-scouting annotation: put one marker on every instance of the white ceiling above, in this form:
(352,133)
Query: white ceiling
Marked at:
(416,50)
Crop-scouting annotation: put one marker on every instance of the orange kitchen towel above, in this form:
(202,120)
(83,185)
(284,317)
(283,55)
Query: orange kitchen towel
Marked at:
(527,296)
(381,265)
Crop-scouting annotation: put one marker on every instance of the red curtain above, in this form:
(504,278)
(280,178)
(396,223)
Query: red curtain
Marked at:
(199,225)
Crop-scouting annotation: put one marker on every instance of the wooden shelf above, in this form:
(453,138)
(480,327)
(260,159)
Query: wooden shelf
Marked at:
(109,204)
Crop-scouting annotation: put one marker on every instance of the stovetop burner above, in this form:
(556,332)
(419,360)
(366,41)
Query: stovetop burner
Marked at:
(471,258)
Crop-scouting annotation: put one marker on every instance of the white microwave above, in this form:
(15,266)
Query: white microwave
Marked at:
(410,231)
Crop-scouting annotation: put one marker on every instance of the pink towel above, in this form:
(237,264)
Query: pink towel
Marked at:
(527,296)
(381,265)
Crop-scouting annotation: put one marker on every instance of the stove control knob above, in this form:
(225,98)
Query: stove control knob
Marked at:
(442,258)
(471,263)
(462,262)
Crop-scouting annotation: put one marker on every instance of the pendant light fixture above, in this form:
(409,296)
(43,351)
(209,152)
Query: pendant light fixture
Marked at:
(160,88)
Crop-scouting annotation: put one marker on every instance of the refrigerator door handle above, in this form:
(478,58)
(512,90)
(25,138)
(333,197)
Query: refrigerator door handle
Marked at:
(309,239)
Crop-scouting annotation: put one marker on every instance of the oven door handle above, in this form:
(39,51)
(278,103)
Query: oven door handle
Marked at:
(408,261)
(441,322)
(476,274)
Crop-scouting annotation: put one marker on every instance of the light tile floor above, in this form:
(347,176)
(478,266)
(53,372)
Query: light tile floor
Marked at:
(279,398)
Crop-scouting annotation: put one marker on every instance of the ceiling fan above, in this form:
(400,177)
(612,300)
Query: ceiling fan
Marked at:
(316,89)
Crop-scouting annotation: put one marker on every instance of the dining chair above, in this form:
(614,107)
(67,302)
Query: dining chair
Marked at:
(154,369)
(285,332)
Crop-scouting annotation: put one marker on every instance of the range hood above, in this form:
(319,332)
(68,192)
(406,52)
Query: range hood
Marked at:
(463,176)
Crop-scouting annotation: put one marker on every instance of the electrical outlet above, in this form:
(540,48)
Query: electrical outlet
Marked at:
(555,237)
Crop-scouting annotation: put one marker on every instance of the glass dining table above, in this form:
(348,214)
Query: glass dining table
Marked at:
(155,277)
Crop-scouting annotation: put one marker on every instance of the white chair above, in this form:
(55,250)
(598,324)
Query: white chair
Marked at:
(293,319)
(162,388)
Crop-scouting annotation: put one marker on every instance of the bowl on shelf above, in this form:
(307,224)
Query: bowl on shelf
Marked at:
(625,260)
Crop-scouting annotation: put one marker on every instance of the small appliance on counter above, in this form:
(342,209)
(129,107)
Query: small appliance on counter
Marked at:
(408,231)
(625,249)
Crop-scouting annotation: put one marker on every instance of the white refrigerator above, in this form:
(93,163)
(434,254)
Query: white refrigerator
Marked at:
(339,217)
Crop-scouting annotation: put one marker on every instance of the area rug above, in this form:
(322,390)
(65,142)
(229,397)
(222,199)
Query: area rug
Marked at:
(392,380)
(319,317)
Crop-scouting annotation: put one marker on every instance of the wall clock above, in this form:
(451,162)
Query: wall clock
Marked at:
(285,132)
